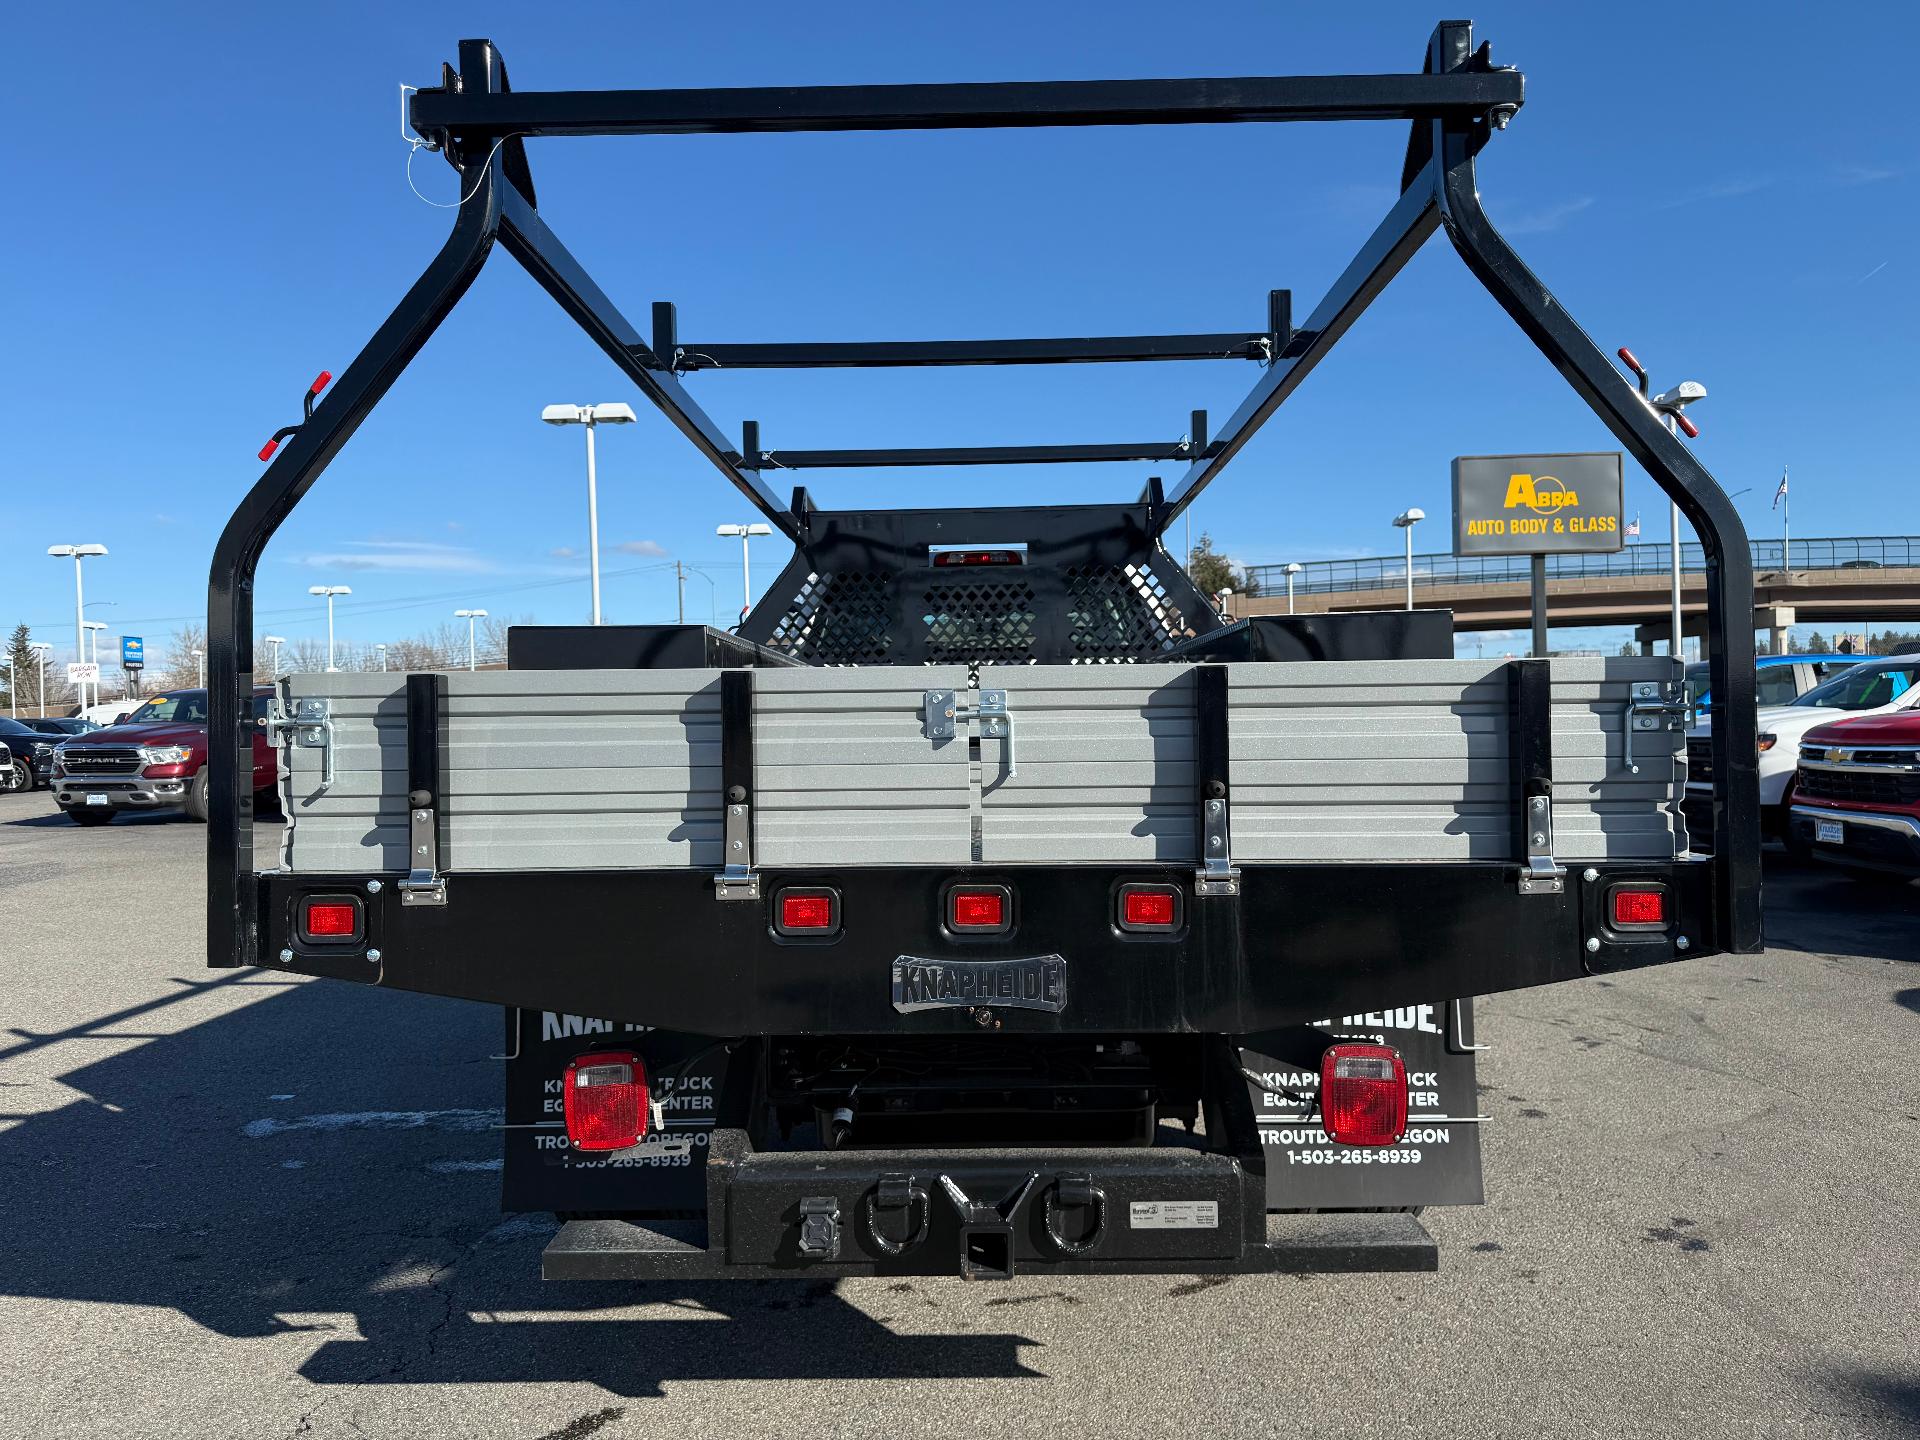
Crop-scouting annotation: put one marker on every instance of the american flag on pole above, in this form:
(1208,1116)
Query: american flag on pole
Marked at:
(1633,528)
(1781,493)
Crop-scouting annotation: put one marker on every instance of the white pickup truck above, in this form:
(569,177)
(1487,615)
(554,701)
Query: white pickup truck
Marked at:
(1869,688)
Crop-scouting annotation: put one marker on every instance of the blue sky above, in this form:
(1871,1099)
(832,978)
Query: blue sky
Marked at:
(211,204)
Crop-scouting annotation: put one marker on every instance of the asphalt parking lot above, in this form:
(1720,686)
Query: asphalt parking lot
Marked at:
(239,1205)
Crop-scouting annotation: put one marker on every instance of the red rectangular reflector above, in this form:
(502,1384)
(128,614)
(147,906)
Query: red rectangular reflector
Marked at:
(332,919)
(1149,909)
(977,910)
(1639,907)
(606,1100)
(1363,1094)
(806,912)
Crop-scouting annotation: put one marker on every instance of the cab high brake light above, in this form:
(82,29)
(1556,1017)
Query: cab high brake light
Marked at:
(1363,1094)
(606,1100)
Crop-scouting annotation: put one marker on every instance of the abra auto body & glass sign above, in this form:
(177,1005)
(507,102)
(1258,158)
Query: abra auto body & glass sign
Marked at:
(1536,504)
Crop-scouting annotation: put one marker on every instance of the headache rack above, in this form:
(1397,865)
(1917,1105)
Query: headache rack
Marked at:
(1099,587)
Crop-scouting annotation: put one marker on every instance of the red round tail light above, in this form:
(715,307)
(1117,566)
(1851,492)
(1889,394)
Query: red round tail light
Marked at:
(1363,1094)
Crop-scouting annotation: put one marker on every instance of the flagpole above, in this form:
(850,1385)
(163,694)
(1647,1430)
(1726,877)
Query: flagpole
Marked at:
(1786,525)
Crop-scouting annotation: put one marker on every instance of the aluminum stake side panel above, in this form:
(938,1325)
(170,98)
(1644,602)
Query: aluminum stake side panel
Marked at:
(1099,765)
(540,770)
(1409,760)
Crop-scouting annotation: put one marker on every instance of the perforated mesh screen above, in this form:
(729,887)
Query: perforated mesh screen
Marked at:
(839,618)
(1119,613)
(980,621)
(1080,615)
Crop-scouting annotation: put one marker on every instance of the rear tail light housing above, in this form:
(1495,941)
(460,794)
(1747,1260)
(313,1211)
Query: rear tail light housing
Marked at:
(330,920)
(806,911)
(606,1100)
(1638,907)
(979,909)
(1363,1094)
(1149,909)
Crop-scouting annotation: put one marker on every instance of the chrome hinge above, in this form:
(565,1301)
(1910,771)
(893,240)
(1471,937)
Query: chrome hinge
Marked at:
(736,880)
(943,710)
(1216,875)
(424,885)
(1654,706)
(1539,873)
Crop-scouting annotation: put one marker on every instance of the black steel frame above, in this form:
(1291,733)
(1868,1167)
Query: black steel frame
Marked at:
(1454,104)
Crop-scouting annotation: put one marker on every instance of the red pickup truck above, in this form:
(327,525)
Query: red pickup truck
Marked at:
(1856,793)
(155,759)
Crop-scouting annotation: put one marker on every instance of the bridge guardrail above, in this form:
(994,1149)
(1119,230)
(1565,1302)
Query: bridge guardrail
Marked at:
(1379,572)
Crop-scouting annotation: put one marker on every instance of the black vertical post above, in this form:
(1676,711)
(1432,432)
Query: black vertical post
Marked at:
(1539,589)
(1529,745)
(666,333)
(1280,319)
(1197,432)
(425,704)
(749,444)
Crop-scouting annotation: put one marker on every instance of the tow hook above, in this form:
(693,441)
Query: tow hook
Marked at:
(1076,1192)
(820,1227)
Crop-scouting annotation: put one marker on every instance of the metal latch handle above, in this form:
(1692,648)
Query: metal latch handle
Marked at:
(943,710)
(312,727)
(1648,701)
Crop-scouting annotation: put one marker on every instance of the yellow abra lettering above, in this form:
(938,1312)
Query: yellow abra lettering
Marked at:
(1544,496)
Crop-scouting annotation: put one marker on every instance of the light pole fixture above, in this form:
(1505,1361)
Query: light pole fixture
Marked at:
(200,664)
(381,651)
(470,616)
(1293,569)
(330,591)
(588,417)
(1406,520)
(1670,406)
(1220,599)
(746,534)
(42,648)
(273,664)
(79,553)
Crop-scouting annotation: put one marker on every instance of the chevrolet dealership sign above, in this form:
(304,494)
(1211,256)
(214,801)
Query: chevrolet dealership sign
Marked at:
(1536,504)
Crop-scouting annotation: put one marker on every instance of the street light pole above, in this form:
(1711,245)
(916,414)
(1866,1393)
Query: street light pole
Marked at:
(1671,407)
(588,417)
(79,553)
(200,663)
(381,651)
(330,591)
(41,647)
(1406,520)
(746,534)
(93,629)
(472,615)
(273,664)
(1292,570)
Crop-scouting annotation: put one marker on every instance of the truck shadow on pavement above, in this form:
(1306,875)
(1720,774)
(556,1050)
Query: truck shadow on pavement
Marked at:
(1818,909)
(323,1160)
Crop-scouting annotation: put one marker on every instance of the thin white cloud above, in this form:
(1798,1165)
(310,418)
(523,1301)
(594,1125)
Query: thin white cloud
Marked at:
(400,556)
(1859,172)
(563,552)
(640,547)
(1549,217)
(1730,187)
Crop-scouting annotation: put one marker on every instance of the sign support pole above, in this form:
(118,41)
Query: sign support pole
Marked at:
(1539,607)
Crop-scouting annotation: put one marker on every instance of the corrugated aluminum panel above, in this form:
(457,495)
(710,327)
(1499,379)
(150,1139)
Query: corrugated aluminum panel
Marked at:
(587,769)
(1104,765)
(847,775)
(1359,760)
(1407,760)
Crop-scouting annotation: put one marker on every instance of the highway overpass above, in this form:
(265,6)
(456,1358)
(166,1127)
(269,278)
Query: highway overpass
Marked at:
(1831,583)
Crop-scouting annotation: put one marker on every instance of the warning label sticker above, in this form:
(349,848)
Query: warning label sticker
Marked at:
(1174,1214)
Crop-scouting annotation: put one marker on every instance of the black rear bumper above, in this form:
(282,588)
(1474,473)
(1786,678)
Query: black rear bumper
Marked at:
(1301,942)
(981,1215)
